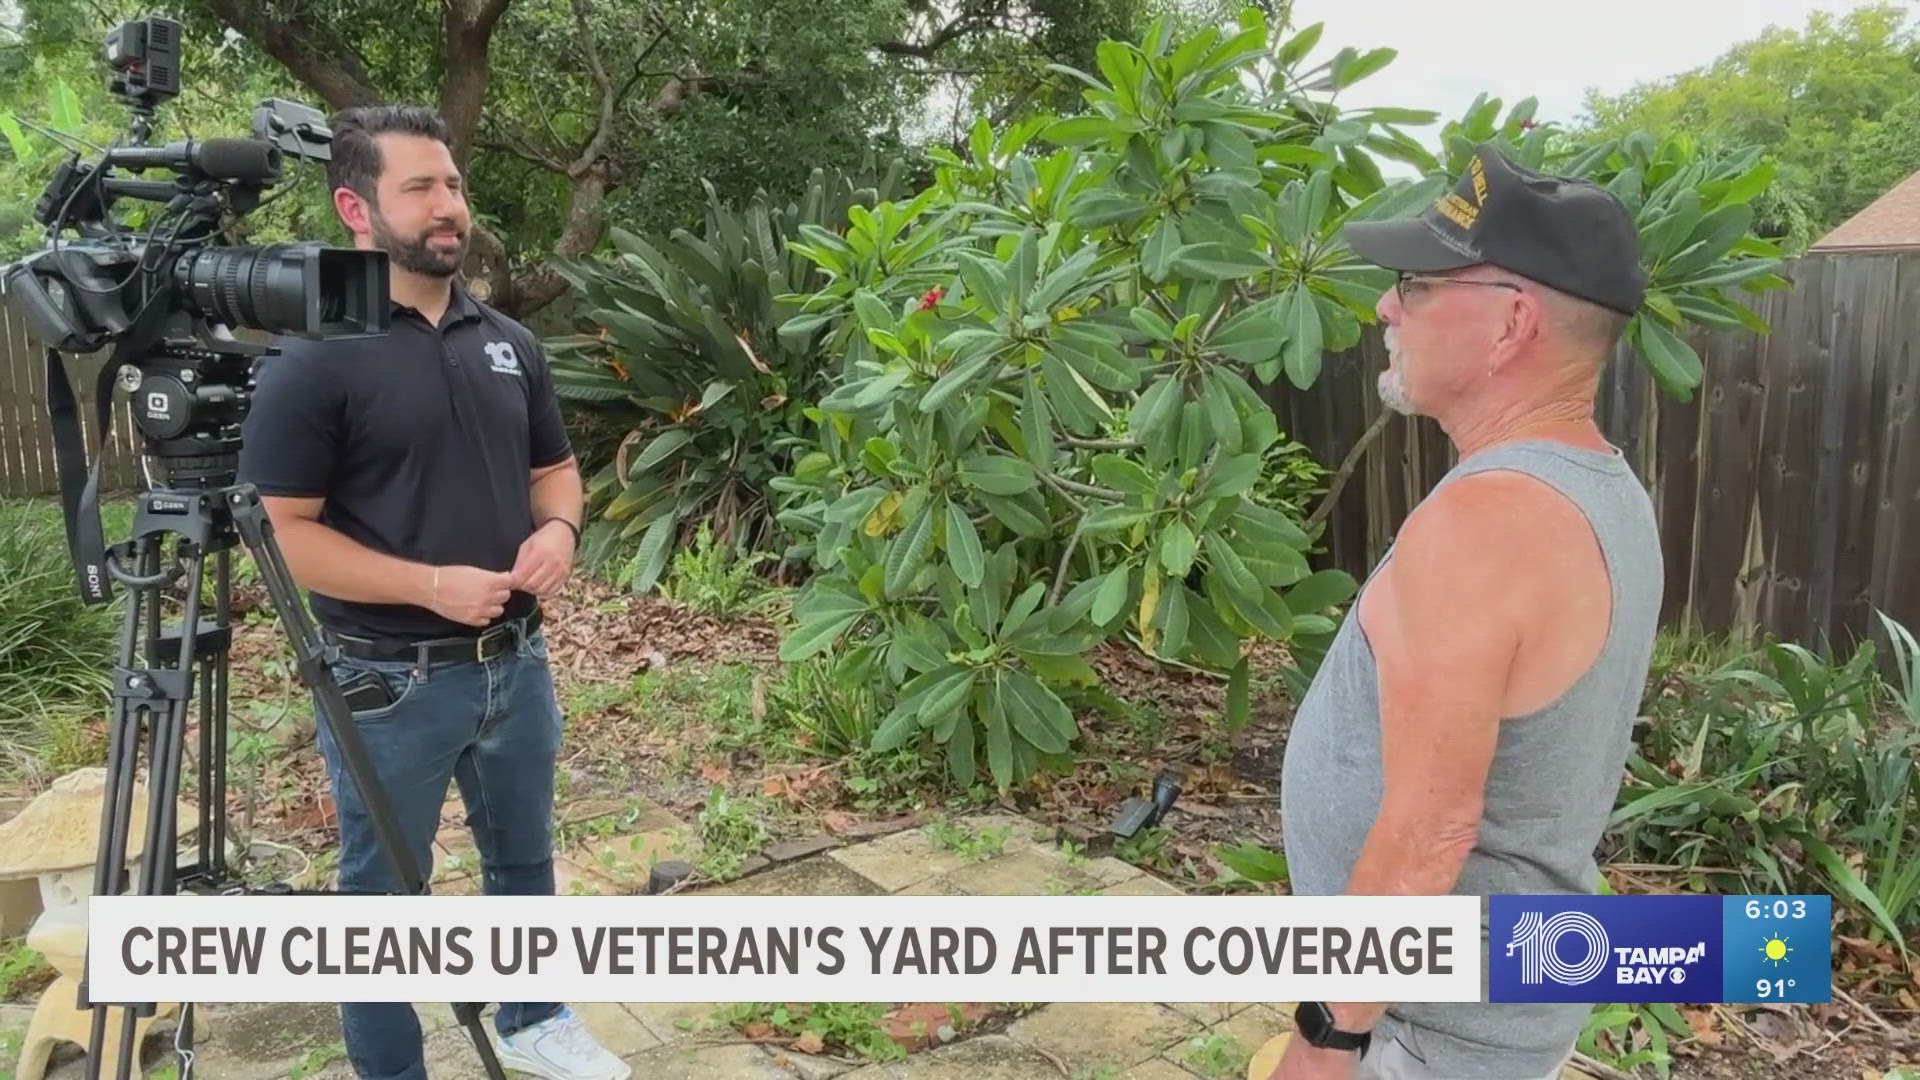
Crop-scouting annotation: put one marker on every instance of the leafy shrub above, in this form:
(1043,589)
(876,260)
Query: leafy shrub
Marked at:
(1046,435)
(1777,770)
(56,653)
(676,347)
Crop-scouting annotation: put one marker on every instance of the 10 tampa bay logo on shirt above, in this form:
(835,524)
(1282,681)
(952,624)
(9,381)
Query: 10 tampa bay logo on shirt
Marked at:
(502,356)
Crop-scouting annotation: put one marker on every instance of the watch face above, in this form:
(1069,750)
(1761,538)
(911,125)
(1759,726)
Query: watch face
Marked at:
(1315,1020)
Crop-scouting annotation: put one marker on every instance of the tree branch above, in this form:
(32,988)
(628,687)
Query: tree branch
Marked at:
(1346,467)
(1072,443)
(469,28)
(338,77)
(1060,572)
(1090,490)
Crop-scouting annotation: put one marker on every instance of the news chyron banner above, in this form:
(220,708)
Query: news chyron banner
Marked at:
(1609,949)
(1591,949)
(783,948)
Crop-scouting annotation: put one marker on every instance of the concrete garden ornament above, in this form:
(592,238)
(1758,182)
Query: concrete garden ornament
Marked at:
(56,840)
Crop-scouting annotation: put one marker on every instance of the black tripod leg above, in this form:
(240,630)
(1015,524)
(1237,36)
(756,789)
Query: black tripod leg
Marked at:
(310,656)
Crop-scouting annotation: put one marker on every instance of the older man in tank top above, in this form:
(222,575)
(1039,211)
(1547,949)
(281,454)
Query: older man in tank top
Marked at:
(1467,730)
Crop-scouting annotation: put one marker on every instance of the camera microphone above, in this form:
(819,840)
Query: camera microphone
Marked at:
(217,159)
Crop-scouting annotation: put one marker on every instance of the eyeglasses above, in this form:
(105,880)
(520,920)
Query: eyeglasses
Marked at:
(1400,285)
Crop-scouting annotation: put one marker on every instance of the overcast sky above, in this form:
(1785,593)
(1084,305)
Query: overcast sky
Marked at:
(1553,51)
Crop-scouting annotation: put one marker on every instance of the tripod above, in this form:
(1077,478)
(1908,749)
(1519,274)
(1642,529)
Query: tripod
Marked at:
(154,680)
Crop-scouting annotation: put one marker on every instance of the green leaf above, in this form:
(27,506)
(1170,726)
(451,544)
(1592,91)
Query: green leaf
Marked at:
(963,546)
(1257,864)
(1213,261)
(64,108)
(946,696)
(1036,426)
(909,551)
(1672,360)
(1238,711)
(1064,277)
(952,383)
(1367,64)
(16,139)
(1097,361)
(1217,399)
(1274,566)
(999,737)
(1155,410)
(873,311)
(895,730)
(1125,475)
(1232,476)
(1108,519)
(1017,516)
(1112,597)
(1321,590)
(961,761)
(1021,610)
(815,636)
(658,450)
(1156,256)
(1080,131)
(1302,354)
(1173,627)
(1029,706)
(1265,525)
(1177,548)
(654,548)
(1078,404)
(1151,323)
(985,279)
(998,474)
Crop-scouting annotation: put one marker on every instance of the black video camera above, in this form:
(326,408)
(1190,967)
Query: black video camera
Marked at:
(168,297)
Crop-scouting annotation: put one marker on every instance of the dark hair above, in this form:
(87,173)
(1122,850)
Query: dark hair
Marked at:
(356,160)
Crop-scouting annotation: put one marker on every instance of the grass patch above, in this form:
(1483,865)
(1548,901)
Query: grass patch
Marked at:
(23,972)
(55,651)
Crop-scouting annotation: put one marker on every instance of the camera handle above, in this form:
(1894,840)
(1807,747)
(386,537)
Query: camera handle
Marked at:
(152,689)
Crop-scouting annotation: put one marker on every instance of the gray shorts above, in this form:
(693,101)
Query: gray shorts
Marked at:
(1391,1058)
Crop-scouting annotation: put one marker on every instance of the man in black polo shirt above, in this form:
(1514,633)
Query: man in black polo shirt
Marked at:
(424,491)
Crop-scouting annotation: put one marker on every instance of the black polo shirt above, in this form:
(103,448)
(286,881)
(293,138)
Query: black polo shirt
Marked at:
(420,441)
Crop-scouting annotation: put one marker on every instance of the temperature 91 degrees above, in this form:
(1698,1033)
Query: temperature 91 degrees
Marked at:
(1773,988)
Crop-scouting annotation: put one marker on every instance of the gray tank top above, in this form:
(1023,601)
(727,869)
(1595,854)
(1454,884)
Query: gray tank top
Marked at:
(1555,775)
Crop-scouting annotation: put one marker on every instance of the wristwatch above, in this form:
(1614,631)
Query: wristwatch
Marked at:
(1315,1022)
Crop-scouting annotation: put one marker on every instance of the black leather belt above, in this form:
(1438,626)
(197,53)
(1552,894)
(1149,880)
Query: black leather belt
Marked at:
(483,646)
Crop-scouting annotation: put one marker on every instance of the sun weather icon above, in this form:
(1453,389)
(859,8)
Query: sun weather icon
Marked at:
(1775,949)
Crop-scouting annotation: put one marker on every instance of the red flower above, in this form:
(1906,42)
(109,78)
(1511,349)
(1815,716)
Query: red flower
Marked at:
(933,297)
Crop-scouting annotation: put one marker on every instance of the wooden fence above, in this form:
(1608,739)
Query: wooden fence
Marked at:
(1788,489)
(27,462)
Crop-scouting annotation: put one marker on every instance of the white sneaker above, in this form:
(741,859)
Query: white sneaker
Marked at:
(560,1048)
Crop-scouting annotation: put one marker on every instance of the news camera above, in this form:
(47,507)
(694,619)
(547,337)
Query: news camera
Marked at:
(166,296)
(169,296)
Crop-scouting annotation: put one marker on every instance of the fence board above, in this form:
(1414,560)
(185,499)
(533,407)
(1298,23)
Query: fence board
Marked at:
(1861,368)
(14,479)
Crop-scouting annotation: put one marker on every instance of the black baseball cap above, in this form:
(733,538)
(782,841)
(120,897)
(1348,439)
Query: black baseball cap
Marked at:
(1572,235)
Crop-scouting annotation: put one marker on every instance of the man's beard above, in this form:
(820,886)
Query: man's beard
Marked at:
(418,254)
(1392,382)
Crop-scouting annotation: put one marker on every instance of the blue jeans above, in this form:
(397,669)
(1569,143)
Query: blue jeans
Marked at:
(492,725)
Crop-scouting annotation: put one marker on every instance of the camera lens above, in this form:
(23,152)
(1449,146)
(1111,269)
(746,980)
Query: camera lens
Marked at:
(303,288)
(264,288)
